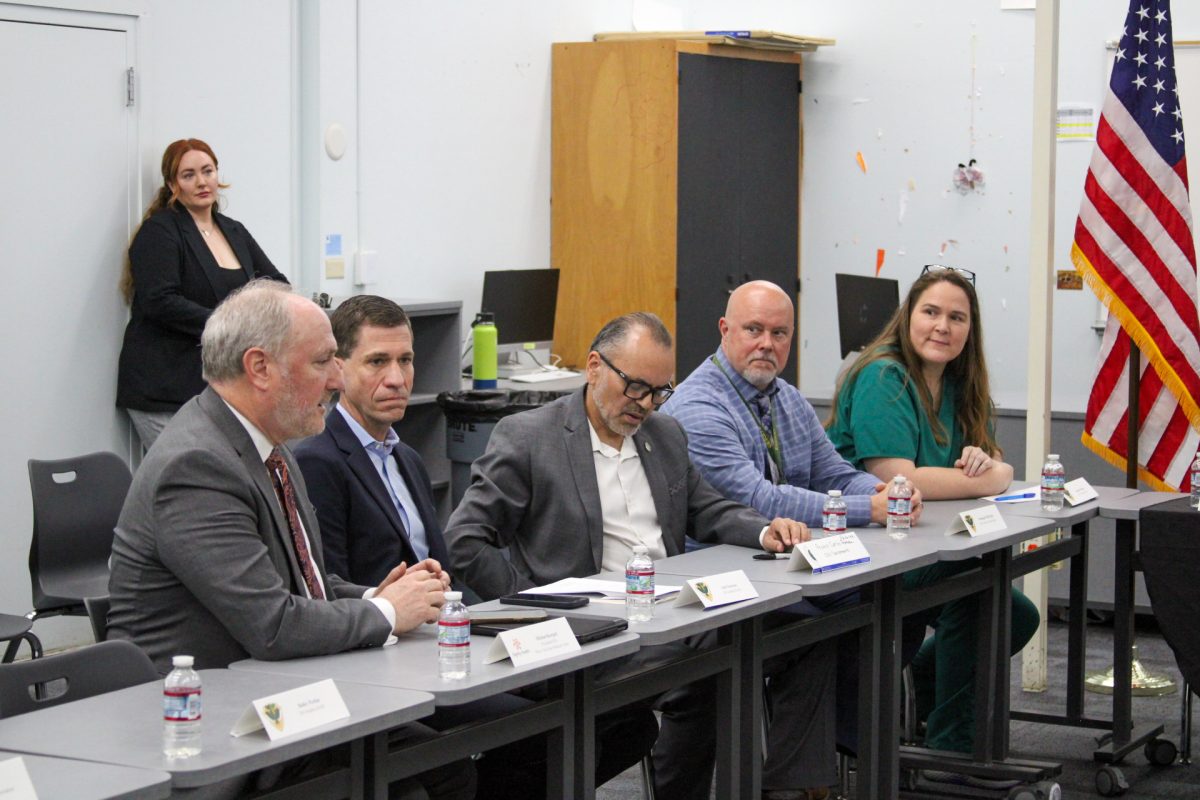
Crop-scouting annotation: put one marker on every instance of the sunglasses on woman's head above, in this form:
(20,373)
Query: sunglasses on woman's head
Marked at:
(966,273)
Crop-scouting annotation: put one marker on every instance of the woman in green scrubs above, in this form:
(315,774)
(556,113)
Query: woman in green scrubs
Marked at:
(916,403)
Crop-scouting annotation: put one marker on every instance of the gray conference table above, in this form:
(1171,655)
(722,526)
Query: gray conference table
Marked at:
(733,625)
(125,728)
(1125,736)
(1124,505)
(65,779)
(412,664)
(876,617)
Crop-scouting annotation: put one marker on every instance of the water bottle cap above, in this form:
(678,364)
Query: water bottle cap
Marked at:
(835,492)
(182,662)
(899,478)
(640,549)
(453,596)
(1052,457)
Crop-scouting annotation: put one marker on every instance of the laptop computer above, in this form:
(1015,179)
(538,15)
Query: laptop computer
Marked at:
(586,629)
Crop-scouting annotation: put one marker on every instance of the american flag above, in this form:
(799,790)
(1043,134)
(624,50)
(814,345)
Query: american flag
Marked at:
(1133,244)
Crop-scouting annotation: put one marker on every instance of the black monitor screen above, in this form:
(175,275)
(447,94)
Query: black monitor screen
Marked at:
(865,304)
(523,302)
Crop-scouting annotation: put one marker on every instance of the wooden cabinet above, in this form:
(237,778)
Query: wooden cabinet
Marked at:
(675,177)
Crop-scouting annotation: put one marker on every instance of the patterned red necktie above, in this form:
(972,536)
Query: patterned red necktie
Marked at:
(287,497)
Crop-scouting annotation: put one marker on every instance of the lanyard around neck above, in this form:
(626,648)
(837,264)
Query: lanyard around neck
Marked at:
(770,436)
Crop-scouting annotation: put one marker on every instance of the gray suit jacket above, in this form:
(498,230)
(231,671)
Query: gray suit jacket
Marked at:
(203,562)
(534,491)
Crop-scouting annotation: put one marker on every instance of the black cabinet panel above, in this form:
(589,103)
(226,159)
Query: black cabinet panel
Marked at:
(739,151)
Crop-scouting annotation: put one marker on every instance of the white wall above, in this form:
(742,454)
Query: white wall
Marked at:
(446,107)
(221,71)
(454,106)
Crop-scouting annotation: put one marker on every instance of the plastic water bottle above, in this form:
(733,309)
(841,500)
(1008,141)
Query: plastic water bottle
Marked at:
(833,516)
(639,586)
(484,363)
(1053,478)
(899,519)
(181,710)
(454,639)
(1195,499)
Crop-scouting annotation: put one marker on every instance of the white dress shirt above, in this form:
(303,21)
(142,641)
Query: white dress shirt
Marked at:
(264,447)
(626,504)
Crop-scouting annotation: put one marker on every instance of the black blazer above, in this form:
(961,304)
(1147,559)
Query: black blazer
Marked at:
(361,531)
(176,285)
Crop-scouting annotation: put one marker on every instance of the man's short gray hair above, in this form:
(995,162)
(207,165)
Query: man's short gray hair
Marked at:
(615,331)
(256,315)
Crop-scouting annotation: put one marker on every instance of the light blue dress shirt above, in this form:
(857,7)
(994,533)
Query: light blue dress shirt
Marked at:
(725,444)
(388,469)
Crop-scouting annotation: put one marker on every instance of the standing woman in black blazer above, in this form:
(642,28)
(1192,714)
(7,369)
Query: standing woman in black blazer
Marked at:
(184,259)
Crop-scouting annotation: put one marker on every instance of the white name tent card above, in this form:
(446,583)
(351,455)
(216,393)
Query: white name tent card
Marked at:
(530,643)
(717,590)
(294,711)
(978,521)
(1079,491)
(829,553)
(15,783)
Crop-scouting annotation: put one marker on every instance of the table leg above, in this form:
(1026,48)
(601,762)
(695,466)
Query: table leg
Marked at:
(879,694)
(560,742)
(585,734)
(750,687)
(986,660)
(1002,594)
(1126,541)
(1077,626)
(729,697)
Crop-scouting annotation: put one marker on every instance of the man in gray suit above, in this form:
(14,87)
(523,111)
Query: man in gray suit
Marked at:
(217,552)
(571,487)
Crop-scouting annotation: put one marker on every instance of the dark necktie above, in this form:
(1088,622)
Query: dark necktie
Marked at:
(762,406)
(287,497)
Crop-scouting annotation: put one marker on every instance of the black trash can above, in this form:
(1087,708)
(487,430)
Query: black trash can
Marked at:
(470,417)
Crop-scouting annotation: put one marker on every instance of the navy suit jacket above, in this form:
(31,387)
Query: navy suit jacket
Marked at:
(361,531)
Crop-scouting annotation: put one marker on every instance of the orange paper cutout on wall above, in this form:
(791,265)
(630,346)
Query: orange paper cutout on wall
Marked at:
(879,254)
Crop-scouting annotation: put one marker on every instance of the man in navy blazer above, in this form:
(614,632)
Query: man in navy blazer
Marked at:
(371,491)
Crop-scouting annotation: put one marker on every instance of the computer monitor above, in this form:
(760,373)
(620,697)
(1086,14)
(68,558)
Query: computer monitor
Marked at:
(523,302)
(865,304)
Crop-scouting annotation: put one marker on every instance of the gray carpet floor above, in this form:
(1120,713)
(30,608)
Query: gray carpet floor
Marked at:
(1071,746)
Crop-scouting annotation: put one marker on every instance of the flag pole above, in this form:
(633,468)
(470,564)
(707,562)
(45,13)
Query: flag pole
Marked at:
(1133,417)
(1141,680)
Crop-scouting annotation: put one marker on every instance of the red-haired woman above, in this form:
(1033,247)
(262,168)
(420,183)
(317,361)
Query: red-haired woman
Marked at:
(184,259)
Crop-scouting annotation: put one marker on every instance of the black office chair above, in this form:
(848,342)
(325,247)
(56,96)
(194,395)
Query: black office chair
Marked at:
(76,502)
(73,675)
(97,611)
(14,630)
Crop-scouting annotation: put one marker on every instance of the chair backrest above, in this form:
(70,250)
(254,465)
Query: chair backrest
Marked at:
(76,503)
(97,611)
(42,682)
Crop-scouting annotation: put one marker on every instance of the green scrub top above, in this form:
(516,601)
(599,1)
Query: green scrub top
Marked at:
(880,415)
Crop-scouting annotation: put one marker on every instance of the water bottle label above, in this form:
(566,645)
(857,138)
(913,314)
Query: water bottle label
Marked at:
(899,506)
(181,705)
(834,521)
(1053,482)
(639,581)
(454,633)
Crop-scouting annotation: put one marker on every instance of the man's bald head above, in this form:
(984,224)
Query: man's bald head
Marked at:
(756,331)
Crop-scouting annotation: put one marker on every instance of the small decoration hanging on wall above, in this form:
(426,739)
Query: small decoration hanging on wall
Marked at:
(968,178)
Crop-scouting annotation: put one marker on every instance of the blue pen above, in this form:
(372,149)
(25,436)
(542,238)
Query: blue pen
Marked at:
(1026,496)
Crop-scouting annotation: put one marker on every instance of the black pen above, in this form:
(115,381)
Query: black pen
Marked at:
(766,556)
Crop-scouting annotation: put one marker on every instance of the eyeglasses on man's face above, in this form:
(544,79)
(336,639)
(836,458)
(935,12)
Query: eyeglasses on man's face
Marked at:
(966,273)
(638,390)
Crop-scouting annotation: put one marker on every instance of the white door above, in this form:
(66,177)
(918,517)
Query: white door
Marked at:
(65,209)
